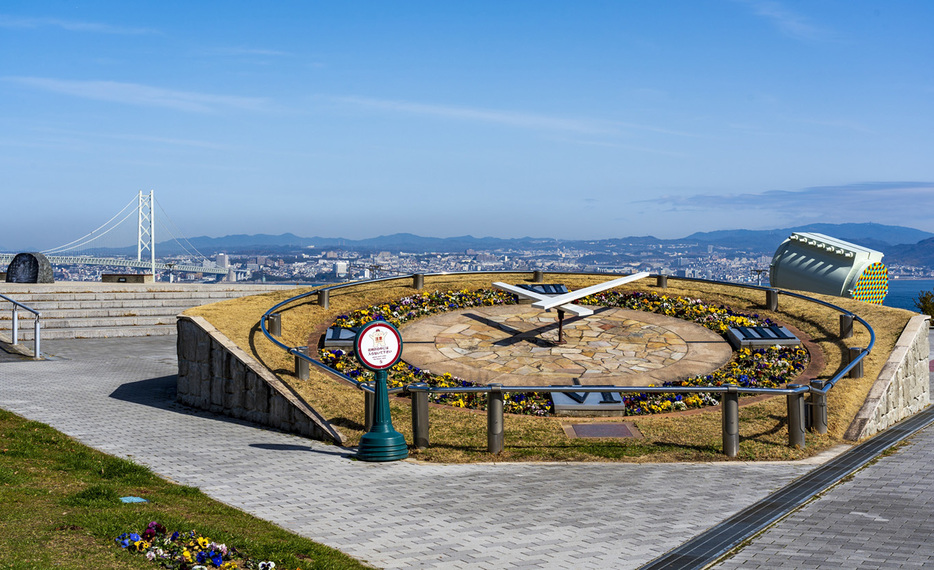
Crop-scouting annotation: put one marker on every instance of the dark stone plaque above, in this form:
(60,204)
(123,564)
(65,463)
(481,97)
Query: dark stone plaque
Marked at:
(29,268)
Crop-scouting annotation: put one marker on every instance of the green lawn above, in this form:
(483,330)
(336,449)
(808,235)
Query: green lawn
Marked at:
(60,508)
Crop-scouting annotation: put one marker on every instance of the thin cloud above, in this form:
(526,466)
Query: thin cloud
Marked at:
(891,202)
(236,51)
(788,22)
(172,141)
(633,148)
(509,118)
(12,22)
(142,95)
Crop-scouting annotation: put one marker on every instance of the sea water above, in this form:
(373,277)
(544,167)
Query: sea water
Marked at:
(903,292)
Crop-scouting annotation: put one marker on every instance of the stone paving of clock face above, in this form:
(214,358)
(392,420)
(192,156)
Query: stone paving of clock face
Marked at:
(517,345)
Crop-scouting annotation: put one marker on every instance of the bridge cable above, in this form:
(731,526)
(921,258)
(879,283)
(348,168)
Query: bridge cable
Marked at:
(168,230)
(69,245)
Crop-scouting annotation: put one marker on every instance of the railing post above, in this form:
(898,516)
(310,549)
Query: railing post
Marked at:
(36,342)
(729,408)
(661,281)
(818,407)
(856,371)
(418,281)
(302,366)
(369,409)
(771,299)
(538,276)
(795,418)
(274,324)
(419,393)
(324,299)
(494,418)
(846,326)
(15,331)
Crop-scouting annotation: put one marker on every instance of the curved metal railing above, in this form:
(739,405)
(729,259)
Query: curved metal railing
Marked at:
(797,416)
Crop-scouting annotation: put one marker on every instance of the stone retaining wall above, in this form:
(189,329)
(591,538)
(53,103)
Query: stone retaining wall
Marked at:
(903,385)
(216,375)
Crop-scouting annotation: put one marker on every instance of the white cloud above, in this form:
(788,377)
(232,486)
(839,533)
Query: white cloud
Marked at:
(142,95)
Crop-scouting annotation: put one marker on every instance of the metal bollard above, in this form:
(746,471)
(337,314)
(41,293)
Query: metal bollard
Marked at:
(729,407)
(661,281)
(771,299)
(494,419)
(418,281)
(818,408)
(369,409)
(274,324)
(419,393)
(538,276)
(324,299)
(846,326)
(857,370)
(15,331)
(795,418)
(302,366)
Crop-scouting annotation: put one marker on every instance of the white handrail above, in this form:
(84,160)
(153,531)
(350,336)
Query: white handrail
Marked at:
(36,350)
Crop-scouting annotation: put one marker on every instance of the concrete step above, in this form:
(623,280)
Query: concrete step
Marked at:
(91,296)
(93,310)
(100,310)
(47,324)
(106,332)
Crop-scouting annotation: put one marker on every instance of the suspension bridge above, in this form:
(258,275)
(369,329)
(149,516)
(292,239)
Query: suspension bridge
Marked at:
(144,206)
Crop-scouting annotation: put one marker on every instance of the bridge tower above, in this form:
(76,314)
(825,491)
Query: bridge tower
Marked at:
(146,238)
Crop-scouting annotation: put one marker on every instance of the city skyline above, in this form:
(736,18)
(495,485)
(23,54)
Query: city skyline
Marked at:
(528,119)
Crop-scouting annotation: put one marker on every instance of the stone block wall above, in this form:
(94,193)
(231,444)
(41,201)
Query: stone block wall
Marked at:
(216,375)
(903,385)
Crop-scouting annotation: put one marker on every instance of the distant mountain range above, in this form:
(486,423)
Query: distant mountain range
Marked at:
(899,244)
(875,236)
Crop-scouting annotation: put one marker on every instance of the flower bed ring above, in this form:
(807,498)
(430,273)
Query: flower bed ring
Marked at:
(794,393)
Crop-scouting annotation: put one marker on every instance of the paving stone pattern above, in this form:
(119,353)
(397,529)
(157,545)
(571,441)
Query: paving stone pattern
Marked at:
(517,345)
(117,395)
(881,518)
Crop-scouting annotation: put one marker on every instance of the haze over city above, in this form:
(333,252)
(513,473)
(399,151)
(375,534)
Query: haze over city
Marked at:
(566,120)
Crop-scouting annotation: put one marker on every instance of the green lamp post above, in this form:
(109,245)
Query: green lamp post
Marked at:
(378,346)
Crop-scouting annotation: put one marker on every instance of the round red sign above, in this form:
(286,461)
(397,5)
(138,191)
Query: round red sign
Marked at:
(378,345)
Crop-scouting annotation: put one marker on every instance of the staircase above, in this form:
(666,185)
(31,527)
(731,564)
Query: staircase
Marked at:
(99,310)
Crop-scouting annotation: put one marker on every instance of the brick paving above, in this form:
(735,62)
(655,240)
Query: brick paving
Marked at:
(117,395)
(883,517)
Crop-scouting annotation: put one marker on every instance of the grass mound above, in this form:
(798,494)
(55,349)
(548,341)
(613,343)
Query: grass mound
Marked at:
(459,435)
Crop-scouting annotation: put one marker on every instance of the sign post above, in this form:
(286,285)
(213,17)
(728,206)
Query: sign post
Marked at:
(378,346)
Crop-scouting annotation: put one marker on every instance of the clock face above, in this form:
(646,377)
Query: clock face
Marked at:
(378,345)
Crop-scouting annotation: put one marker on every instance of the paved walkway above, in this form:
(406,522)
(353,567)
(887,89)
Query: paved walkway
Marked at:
(118,395)
(881,518)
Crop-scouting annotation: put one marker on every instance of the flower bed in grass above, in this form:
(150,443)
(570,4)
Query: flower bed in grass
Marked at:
(186,551)
(769,367)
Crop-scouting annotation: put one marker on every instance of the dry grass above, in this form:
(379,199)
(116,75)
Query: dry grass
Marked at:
(460,435)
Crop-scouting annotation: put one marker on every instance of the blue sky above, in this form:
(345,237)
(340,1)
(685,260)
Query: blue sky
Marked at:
(555,119)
